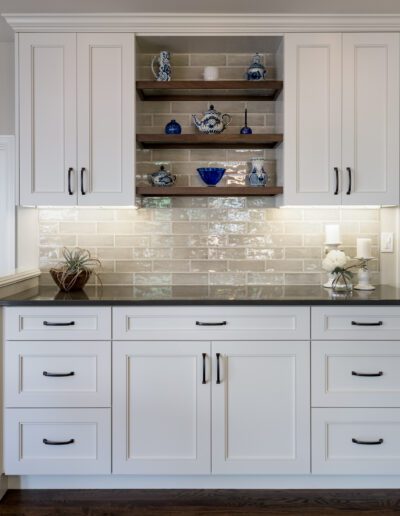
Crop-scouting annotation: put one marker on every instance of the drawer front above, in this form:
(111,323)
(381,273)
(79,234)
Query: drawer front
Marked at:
(58,323)
(355,323)
(85,432)
(360,441)
(57,374)
(355,374)
(206,323)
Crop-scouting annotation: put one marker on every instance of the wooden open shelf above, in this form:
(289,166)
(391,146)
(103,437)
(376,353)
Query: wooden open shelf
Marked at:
(209,191)
(209,90)
(208,141)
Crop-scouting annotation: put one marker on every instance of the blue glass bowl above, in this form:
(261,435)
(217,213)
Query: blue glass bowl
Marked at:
(211,175)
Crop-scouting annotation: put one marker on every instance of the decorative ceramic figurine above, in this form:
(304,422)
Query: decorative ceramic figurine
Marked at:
(256,71)
(245,129)
(162,177)
(212,122)
(173,127)
(257,175)
(164,66)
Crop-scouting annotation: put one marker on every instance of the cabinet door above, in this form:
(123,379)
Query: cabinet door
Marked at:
(261,408)
(371,118)
(47,118)
(161,408)
(105,118)
(312,147)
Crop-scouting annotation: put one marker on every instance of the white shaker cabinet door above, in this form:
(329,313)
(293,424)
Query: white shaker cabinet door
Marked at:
(105,88)
(47,119)
(312,147)
(261,408)
(371,118)
(161,408)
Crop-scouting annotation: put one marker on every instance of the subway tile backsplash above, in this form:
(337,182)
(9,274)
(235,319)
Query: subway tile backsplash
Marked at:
(204,241)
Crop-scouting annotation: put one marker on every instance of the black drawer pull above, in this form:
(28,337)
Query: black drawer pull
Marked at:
(370,443)
(46,323)
(83,169)
(218,355)
(355,323)
(222,323)
(337,181)
(58,443)
(204,368)
(58,375)
(354,373)
(349,173)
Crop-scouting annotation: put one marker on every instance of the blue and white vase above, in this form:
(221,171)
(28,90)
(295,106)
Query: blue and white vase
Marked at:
(173,127)
(257,175)
(256,71)
(164,66)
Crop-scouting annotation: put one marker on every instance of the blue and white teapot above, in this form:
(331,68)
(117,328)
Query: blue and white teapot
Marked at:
(212,122)
(164,66)
(162,177)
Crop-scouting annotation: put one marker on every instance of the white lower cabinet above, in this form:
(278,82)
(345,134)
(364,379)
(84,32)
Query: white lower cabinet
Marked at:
(57,441)
(162,398)
(355,441)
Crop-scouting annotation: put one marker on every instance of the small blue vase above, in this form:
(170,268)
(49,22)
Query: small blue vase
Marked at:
(173,128)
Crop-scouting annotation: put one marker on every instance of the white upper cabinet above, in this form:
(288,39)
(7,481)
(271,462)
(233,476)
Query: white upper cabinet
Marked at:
(342,119)
(76,119)
(370,134)
(47,123)
(312,147)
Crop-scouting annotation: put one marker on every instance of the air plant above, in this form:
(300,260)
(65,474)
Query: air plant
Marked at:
(75,270)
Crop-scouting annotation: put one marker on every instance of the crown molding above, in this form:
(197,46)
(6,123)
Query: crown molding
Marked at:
(200,23)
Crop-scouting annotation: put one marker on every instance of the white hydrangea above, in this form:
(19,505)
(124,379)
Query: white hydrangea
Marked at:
(333,260)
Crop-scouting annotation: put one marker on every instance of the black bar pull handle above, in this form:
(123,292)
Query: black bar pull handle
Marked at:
(83,169)
(222,323)
(368,443)
(70,170)
(337,181)
(218,355)
(356,323)
(349,188)
(46,323)
(58,375)
(58,443)
(354,373)
(204,368)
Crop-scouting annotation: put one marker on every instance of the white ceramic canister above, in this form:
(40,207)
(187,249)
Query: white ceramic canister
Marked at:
(211,73)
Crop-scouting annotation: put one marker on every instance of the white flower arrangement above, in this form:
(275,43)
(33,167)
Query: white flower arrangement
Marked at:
(337,263)
(334,261)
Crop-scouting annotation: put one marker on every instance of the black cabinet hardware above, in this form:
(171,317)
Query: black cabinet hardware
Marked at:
(371,443)
(354,373)
(69,181)
(82,177)
(349,188)
(218,368)
(46,323)
(222,323)
(204,368)
(58,443)
(337,181)
(58,375)
(355,323)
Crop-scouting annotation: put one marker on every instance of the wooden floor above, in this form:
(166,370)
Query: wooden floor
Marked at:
(199,502)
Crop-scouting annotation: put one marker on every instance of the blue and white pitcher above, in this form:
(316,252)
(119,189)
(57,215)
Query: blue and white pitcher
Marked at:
(164,66)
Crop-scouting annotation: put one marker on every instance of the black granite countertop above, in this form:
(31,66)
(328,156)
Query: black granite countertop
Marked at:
(202,295)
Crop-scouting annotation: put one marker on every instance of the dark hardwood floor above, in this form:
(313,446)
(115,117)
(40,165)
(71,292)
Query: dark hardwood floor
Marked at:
(199,502)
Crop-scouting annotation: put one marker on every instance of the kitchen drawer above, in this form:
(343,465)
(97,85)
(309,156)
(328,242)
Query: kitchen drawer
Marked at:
(58,323)
(355,374)
(335,453)
(57,374)
(86,432)
(207,323)
(355,323)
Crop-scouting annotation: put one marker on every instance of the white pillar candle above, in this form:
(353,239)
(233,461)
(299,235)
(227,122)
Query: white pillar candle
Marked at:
(364,248)
(332,234)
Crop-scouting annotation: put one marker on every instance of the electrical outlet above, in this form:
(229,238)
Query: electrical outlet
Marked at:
(386,242)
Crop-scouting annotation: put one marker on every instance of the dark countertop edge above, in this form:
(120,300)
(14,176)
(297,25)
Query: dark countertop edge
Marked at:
(204,302)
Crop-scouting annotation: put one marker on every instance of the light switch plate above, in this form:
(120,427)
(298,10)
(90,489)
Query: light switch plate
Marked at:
(386,242)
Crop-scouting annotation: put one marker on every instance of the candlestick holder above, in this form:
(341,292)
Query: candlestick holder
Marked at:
(363,275)
(331,277)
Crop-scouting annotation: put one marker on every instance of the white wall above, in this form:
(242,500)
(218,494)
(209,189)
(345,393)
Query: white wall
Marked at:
(390,262)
